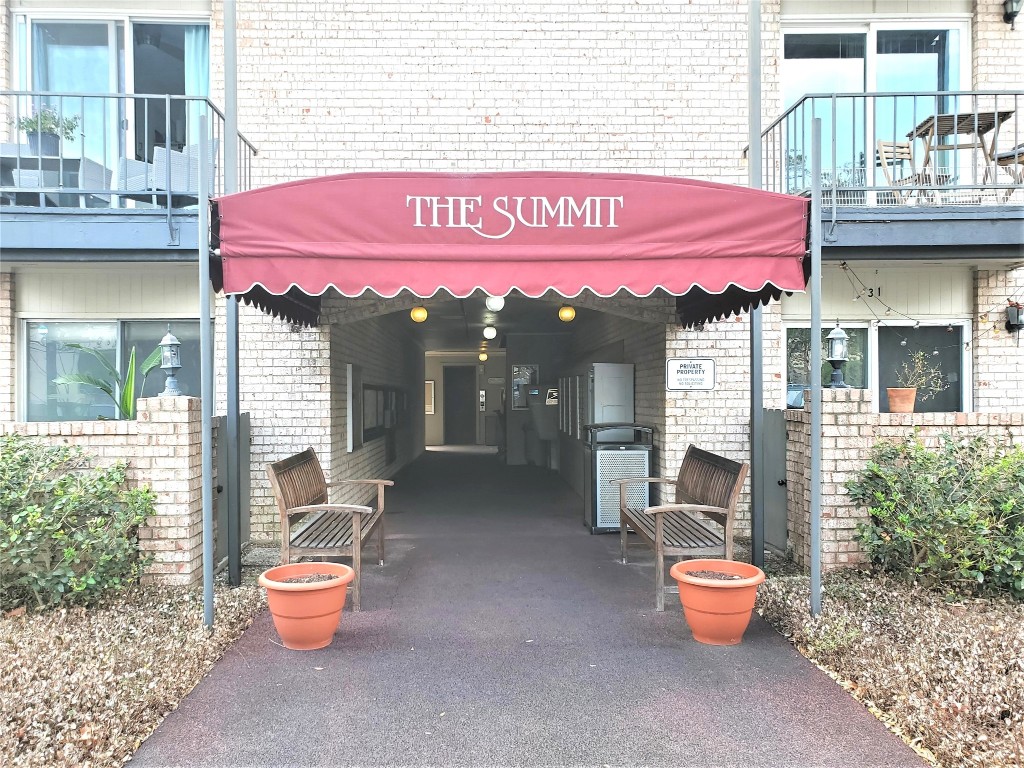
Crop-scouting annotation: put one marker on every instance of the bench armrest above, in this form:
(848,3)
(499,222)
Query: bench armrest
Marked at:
(368,482)
(356,509)
(628,480)
(685,508)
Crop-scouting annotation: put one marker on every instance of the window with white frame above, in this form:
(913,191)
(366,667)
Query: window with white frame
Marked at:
(877,353)
(918,56)
(60,54)
(68,348)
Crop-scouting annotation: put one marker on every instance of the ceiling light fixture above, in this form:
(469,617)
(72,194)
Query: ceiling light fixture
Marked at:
(494,303)
(566,313)
(490,332)
(418,314)
(482,357)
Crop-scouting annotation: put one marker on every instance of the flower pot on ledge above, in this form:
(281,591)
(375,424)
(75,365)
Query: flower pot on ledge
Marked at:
(306,615)
(717,610)
(44,144)
(901,399)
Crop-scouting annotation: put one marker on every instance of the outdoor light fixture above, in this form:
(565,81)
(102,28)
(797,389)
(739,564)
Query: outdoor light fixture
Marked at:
(566,313)
(418,314)
(494,303)
(837,355)
(490,332)
(482,357)
(170,363)
(1010,10)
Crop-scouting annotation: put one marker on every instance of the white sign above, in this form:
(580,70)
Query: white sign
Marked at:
(689,373)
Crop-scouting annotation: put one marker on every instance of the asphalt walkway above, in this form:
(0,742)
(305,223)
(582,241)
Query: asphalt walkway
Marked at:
(500,633)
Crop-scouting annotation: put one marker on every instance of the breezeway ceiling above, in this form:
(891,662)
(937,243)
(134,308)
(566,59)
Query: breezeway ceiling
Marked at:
(458,324)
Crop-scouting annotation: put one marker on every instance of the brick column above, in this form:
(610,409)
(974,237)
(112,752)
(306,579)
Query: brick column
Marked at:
(7,346)
(848,433)
(998,356)
(170,458)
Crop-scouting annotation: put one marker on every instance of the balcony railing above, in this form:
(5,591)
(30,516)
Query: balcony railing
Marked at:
(902,149)
(112,151)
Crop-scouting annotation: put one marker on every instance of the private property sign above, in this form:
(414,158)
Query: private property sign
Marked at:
(683,374)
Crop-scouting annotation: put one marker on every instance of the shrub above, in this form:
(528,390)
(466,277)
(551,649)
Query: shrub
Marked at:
(68,532)
(952,518)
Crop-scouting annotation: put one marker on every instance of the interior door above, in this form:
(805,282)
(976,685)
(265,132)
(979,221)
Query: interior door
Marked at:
(460,404)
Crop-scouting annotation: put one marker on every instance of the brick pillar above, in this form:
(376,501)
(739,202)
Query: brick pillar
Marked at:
(998,355)
(848,426)
(6,346)
(170,458)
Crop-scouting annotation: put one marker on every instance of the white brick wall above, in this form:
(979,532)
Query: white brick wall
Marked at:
(997,354)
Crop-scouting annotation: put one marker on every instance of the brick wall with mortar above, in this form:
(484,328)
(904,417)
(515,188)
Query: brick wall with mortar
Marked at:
(164,451)
(997,355)
(655,88)
(850,428)
(7,358)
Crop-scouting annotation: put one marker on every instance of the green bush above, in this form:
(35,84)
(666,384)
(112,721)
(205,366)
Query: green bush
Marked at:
(68,532)
(952,518)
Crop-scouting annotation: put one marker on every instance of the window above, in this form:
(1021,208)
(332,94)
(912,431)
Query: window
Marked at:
(56,349)
(900,58)
(798,362)
(876,354)
(116,55)
(943,346)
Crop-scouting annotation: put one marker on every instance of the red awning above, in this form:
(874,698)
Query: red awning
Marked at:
(731,247)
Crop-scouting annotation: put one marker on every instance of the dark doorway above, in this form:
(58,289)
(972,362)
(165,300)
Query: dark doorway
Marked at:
(460,405)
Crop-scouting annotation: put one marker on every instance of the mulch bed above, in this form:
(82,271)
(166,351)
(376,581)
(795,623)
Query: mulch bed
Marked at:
(946,673)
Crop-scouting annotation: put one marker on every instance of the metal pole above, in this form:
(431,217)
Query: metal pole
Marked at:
(815,290)
(756,326)
(232,484)
(206,368)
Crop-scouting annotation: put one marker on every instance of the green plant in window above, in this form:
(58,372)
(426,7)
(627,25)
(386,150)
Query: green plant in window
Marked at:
(122,391)
(919,372)
(47,119)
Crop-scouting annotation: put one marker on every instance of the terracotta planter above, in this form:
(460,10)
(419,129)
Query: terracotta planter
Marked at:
(901,399)
(718,612)
(306,615)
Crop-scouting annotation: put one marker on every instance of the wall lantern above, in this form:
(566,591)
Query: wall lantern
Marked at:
(838,353)
(1010,10)
(566,313)
(482,357)
(418,314)
(170,364)
(494,303)
(490,332)
(1015,316)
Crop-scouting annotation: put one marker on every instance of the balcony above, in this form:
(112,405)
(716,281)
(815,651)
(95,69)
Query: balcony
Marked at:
(921,164)
(89,163)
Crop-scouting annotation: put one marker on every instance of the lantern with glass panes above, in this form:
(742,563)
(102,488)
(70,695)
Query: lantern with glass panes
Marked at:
(838,353)
(170,363)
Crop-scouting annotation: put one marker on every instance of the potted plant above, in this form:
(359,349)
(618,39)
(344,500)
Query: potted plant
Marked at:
(717,597)
(45,128)
(918,379)
(305,601)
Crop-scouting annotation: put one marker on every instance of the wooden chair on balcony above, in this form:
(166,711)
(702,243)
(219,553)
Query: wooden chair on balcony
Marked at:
(898,156)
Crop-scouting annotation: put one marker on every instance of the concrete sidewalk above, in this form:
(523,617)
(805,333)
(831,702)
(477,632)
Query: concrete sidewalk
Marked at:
(500,633)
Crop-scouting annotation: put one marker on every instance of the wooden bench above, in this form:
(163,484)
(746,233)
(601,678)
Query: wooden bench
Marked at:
(708,484)
(310,526)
